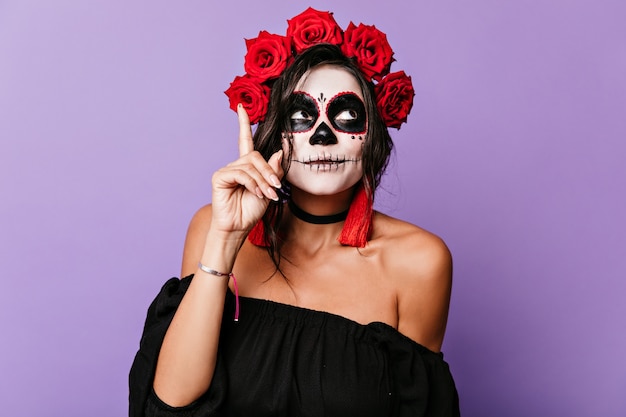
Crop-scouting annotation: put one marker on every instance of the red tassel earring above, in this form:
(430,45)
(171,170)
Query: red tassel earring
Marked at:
(358,225)
(257,235)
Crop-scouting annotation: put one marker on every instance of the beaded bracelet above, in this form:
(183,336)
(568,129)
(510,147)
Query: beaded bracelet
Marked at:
(208,270)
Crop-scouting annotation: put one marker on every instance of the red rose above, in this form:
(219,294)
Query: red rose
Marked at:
(253,95)
(370,48)
(312,27)
(394,98)
(267,56)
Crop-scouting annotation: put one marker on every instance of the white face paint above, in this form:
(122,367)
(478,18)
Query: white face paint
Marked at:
(328,126)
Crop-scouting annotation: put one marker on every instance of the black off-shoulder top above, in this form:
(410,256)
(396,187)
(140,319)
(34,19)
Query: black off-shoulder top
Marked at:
(282,360)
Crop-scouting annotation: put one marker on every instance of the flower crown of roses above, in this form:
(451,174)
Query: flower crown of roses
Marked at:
(269,55)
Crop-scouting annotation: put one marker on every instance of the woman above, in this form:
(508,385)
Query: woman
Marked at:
(343,309)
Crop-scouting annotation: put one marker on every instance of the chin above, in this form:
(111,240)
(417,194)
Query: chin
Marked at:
(323,186)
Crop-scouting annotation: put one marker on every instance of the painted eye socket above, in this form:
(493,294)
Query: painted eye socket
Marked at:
(346,113)
(303,112)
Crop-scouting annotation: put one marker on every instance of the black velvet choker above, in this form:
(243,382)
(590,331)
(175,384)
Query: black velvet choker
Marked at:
(312,218)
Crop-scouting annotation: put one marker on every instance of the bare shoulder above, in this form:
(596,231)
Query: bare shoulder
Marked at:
(412,248)
(420,265)
(196,237)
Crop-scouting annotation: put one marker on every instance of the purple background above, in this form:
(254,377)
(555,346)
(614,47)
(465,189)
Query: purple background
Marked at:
(112,119)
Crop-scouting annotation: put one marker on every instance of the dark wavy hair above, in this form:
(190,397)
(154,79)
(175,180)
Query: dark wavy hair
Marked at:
(267,138)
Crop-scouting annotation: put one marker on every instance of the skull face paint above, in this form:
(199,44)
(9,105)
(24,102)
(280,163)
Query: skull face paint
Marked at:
(345,111)
(326,135)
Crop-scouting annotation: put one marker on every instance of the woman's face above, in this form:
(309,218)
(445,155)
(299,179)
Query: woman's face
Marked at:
(328,125)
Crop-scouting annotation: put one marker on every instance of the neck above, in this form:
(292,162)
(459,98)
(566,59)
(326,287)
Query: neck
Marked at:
(315,218)
(322,205)
(316,234)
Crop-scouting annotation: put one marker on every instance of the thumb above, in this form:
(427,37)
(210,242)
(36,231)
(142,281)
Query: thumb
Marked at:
(276,162)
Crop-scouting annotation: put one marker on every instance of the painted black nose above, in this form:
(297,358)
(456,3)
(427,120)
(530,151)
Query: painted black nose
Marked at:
(323,136)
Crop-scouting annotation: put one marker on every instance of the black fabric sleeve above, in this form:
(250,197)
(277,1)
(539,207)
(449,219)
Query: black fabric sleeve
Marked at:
(143,401)
(421,379)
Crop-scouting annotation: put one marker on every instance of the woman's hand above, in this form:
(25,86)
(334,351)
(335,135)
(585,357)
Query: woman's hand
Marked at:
(243,188)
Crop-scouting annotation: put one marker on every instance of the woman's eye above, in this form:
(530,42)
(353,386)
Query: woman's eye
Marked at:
(348,115)
(301,116)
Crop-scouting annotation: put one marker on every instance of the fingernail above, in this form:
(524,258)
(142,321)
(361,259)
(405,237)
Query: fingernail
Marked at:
(272,194)
(275,181)
(258,192)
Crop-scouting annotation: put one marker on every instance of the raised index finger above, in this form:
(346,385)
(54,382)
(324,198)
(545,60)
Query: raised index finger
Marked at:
(245,132)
